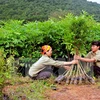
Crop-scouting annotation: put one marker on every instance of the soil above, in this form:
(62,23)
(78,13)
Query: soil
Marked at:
(75,92)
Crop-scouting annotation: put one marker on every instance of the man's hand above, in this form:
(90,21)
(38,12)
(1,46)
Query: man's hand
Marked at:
(77,57)
(74,61)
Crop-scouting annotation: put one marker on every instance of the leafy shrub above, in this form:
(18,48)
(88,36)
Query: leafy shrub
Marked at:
(24,39)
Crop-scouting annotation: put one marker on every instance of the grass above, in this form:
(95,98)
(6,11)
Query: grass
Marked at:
(23,87)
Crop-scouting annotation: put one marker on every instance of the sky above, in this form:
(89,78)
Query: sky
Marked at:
(98,1)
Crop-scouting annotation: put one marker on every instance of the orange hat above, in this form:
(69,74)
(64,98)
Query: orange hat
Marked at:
(45,48)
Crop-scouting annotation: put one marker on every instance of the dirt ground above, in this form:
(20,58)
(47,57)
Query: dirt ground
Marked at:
(66,92)
(75,92)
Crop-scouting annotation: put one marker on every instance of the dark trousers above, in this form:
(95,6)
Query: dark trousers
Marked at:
(96,71)
(44,74)
(41,75)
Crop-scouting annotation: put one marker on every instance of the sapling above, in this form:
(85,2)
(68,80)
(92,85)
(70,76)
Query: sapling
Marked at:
(90,79)
(76,42)
(77,75)
(68,75)
(73,74)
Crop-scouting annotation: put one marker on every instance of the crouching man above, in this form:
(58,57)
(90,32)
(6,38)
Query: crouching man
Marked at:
(37,70)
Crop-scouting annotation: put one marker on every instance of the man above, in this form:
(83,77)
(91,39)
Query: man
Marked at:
(94,57)
(37,70)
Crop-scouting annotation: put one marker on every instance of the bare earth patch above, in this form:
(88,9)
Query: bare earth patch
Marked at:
(75,92)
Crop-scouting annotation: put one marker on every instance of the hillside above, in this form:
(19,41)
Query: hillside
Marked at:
(43,9)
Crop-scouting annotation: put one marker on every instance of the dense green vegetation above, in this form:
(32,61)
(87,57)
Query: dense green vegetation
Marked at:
(32,10)
(25,40)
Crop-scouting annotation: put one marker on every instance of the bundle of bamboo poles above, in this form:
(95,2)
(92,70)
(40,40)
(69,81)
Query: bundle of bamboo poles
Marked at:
(76,75)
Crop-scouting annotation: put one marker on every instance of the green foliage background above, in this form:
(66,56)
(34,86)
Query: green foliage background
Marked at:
(65,35)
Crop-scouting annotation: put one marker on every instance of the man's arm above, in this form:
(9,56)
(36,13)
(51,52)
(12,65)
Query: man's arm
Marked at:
(52,62)
(84,59)
(87,59)
(71,62)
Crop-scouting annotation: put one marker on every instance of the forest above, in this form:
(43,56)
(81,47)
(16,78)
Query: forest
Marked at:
(31,10)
